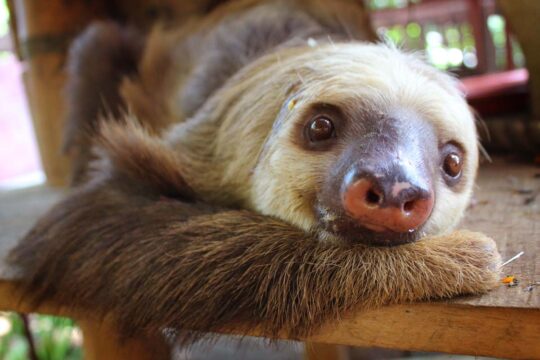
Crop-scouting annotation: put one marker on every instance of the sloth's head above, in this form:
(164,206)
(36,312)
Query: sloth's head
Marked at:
(355,142)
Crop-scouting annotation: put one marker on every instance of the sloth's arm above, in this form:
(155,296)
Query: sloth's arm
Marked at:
(155,262)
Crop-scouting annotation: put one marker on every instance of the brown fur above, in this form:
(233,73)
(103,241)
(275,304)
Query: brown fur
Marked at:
(117,246)
(130,151)
(99,59)
(137,240)
(179,69)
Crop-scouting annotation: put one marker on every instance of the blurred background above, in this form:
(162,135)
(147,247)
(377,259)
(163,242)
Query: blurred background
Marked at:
(470,38)
(467,37)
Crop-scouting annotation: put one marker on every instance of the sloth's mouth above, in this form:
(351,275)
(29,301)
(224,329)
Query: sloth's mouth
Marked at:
(377,238)
(341,227)
(375,227)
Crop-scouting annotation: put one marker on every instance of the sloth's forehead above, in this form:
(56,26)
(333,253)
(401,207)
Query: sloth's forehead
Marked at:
(356,56)
(368,69)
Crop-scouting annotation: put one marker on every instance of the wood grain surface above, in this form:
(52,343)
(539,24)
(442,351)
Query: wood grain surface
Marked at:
(507,208)
(459,329)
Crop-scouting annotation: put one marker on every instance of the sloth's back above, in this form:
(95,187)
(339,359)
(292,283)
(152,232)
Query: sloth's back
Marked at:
(215,48)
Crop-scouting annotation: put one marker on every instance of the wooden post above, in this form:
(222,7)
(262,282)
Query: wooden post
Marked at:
(477,20)
(101,342)
(42,31)
(523,16)
(318,351)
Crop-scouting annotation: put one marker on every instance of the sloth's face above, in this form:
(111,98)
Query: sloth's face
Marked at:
(371,146)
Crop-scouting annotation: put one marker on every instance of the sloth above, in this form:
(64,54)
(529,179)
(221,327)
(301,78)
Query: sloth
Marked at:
(260,163)
(276,109)
(371,145)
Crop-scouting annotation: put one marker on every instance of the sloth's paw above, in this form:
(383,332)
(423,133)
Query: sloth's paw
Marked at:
(477,262)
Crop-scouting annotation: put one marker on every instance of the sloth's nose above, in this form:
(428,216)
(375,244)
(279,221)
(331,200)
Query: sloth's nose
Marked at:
(393,201)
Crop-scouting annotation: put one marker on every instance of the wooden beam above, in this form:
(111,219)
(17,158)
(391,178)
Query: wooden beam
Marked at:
(480,331)
(101,341)
(42,31)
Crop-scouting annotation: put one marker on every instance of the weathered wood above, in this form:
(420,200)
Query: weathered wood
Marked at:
(487,331)
(503,212)
(44,81)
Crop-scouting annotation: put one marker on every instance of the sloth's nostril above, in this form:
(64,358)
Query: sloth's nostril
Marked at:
(408,206)
(373,198)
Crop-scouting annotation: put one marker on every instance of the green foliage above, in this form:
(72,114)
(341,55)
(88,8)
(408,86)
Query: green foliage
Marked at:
(414,30)
(383,4)
(496,27)
(449,45)
(55,338)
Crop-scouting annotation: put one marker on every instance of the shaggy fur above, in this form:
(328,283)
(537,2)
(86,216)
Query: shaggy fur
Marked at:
(141,239)
(178,69)
(227,79)
(121,245)
(98,61)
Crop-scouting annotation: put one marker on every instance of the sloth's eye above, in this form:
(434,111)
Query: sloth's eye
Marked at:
(452,162)
(452,165)
(320,128)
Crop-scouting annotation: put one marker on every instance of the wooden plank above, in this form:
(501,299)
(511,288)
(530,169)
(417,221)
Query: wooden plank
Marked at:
(101,341)
(501,212)
(440,11)
(458,329)
(144,13)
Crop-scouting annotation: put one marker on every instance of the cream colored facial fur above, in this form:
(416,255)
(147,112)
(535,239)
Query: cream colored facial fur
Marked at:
(243,138)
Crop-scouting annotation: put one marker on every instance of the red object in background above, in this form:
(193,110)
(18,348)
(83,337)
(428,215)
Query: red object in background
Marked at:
(498,93)
(18,149)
